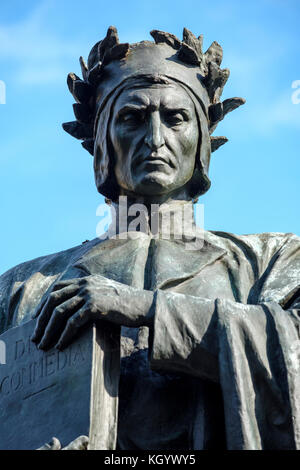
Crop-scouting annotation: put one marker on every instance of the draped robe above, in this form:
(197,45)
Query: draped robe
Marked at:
(220,369)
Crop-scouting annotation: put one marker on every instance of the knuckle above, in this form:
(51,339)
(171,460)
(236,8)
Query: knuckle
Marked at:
(58,311)
(72,322)
(53,296)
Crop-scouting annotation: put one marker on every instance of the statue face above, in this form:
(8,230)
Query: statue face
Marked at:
(154,134)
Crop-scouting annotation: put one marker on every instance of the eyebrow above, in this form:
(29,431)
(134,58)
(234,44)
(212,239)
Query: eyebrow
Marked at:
(131,107)
(176,109)
(141,107)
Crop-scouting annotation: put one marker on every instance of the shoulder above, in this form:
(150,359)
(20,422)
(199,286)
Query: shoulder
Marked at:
(262,251)
(23,285)
(46,264)
(274,259)
(260,244)
(264,237)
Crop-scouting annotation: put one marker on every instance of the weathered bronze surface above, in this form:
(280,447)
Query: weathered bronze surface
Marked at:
(209,330)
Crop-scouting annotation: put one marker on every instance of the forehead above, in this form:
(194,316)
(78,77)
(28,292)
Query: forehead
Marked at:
(168,96)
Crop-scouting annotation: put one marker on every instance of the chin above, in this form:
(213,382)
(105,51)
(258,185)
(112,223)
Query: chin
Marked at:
(155,183)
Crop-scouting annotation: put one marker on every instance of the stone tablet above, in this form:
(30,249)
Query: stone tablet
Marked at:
(62,394)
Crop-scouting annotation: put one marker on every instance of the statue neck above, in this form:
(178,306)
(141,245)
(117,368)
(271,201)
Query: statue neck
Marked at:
(170,218)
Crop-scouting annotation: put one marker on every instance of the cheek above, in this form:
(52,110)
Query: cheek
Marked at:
(124,143)
(118,140)
(187,140)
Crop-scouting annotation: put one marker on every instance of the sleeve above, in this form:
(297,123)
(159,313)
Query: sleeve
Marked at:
(253,351)
(183,339)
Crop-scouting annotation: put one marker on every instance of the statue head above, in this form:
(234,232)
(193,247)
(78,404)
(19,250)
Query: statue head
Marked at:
(146,112)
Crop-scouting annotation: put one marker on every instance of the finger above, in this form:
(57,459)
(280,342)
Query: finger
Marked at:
(58,320)
(81,443)
(54,299)
(59,286)
(53,445)
(77,321)
(64,283)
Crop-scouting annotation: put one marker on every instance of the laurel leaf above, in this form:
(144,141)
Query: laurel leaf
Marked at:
(71,78)
(82,112)
(94,56)
(216,142)
(214,53)
(117,52)
(84,68)
(78,130)
(88,145)
(190,39)
(95,73)
(215,81)
(200,39)
(167,38)
(188,55)
(110,40)
(82,91)
(215,112)
(231,104)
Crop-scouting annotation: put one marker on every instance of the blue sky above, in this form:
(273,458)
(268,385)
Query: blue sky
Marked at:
(48,199)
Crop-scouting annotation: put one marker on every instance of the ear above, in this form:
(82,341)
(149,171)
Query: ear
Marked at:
(104,169)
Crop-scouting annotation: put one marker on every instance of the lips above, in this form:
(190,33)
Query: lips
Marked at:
(155,159)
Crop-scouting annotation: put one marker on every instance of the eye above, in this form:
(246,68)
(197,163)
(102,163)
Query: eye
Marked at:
(131,117)
(174,118)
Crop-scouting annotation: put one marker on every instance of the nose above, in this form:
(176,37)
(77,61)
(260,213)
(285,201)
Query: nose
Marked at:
(154,138)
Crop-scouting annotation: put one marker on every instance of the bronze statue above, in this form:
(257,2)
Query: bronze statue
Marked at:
(210,335)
